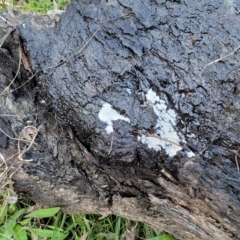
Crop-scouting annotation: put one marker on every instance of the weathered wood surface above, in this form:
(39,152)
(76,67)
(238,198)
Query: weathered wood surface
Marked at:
(132,118)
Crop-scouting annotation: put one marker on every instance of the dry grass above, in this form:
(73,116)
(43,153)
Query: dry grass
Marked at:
(9,165)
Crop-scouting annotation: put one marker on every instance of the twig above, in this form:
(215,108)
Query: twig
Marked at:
(4,162)
(236,158)
(6,21)
(2,94)
(164,139)
(67,59)
(113,136)
(219,59)
(74,55)
(207,146)
(18,70)
(54,66)
(17,139)
(111,144)
(5,36)
(6,170)
(168,175)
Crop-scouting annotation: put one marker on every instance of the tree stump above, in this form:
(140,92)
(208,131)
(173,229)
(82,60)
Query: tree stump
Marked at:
(128,108)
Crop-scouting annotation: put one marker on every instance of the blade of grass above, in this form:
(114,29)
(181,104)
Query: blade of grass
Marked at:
(43,213)
(148,231)
(163,237)
(117,228)
(47,233)
(3,212)
(19,232)
(11,222)
(17,214)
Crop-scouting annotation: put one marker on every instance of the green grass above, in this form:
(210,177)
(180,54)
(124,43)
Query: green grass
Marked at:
(19,218)
(34,5)
(22,221)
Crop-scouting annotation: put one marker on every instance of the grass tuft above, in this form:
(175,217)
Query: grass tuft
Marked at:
(35,5)
(16,222)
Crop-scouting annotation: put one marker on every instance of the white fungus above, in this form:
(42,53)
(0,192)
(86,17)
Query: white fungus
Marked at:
(165,135)
(190,154)
(107,114)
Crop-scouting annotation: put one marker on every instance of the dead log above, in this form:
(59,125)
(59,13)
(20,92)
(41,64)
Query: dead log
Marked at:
(134,110)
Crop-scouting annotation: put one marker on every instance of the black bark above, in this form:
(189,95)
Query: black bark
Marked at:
(137,109)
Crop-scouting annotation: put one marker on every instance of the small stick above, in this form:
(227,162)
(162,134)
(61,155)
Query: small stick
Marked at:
(236,158)
(221,58)
(64,61)
(18,70)
(6,21)
(164,139)
(17,139)
(5,36)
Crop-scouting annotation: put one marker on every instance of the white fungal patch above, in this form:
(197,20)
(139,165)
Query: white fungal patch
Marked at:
(152,142)
(190,154)
(166,137)
(107,115)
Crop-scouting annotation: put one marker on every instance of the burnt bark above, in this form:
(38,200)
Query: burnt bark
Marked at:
(136,107)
